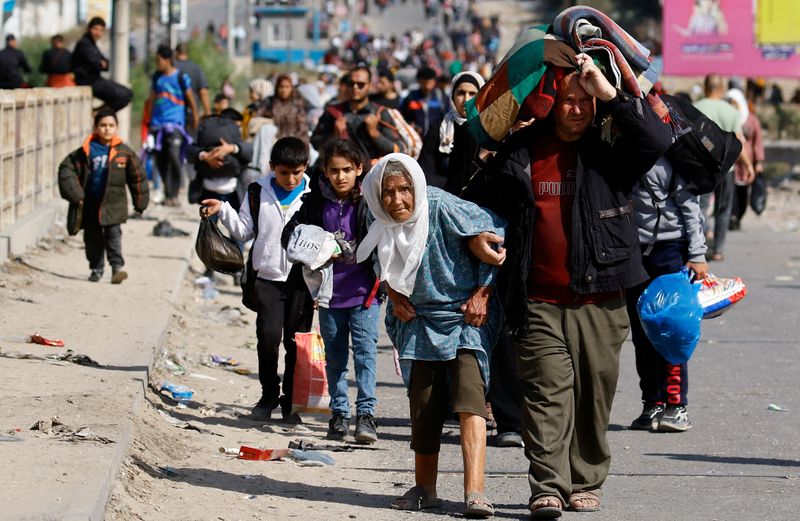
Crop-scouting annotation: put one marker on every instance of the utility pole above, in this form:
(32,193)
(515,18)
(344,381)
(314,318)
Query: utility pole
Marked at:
(120,61)
(148,34)
(231,5)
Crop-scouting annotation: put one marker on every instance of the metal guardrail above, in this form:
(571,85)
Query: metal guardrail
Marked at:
(38,128)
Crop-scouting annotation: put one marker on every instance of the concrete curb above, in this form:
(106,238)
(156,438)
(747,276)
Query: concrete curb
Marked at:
(25,233)
(98,510)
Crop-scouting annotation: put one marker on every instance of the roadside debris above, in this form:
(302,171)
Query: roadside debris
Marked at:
(68,356)
(57,429)
(10,437)
(178,392)
(180,424)
(229,451)
(773,407)
(310,445)
(164,228)
(254,454)
(304,458)
(35,338)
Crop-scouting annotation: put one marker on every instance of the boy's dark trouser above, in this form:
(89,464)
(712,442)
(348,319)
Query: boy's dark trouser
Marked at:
(568,360)
(98,240)
(284,308)
(660,381)
(112,93)
(168,160)
(505,389)
(723,205)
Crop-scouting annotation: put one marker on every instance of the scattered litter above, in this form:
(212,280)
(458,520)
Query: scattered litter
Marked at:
(210,293)
(165,229)
(174,367)
(224,360)
(202,376)
(206,411)
(180,424)
(58,429)
(242,371)
(68,356)
(9,437)
(773,407)
(178,392)
(181,405)
(85,434)
(75,358)
(784,278)
(230,452)
(250,476)
(226,410)
(310,445)
(35,338)
(203,281)
(253,454)
(253,496)
(285,430)
(230,315)
(310,458)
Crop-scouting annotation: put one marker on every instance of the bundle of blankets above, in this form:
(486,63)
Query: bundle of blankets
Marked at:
(525,82)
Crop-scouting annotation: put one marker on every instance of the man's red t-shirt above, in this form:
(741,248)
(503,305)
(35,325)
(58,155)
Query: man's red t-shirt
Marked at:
(553,167)
(554,164)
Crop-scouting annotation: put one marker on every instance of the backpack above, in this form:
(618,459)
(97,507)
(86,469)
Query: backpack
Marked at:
(701,152)
(249,274)
(410,141)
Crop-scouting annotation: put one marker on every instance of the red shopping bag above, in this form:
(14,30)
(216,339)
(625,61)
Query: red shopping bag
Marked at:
(310,390)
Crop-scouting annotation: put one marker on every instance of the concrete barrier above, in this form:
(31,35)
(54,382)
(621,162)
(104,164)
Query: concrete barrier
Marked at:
(38,127)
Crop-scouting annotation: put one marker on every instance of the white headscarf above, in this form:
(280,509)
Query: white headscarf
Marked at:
(448,127)
(741,104)
(262,87)
(400,245)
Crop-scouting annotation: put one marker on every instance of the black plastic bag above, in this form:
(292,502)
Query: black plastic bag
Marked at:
(758,194)
(218,253)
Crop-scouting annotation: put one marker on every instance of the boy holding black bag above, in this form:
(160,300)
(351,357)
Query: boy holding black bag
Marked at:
(280,296)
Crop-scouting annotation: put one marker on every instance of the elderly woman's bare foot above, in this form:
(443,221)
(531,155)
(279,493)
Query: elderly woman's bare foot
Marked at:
(417,498)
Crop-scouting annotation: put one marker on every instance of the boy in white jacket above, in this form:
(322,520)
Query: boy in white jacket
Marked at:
(283,301)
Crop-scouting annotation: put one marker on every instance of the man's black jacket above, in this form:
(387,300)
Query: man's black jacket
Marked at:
(11,62)
(604,248)
(212,130)
(56,60)
(87,61)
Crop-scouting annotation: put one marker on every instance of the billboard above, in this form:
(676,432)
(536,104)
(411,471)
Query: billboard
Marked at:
(732,37)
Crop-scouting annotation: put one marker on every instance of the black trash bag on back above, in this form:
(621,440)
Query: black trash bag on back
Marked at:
(218,253)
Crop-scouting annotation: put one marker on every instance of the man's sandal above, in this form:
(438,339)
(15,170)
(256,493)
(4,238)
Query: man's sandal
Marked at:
(588,499)
(476,505)
(415,499)
(542,507)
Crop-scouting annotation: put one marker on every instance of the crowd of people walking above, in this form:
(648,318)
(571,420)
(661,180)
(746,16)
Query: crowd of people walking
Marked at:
(510,276)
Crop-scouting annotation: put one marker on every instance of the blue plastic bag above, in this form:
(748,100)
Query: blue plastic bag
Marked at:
(671,313)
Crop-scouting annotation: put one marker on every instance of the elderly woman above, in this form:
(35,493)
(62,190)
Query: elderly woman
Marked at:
(442,317)
(289,110)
